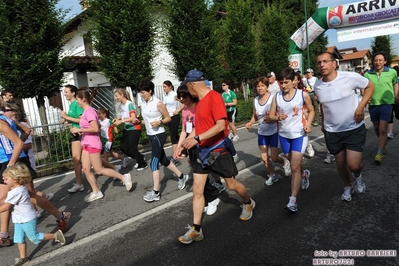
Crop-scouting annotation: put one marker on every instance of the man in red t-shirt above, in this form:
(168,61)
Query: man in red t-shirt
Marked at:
(211,128)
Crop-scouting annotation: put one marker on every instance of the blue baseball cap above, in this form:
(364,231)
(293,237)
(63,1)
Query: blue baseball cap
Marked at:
(193,76)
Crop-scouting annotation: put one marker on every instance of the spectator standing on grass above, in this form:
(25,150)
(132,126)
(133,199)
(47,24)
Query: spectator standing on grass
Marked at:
(92,146)
(343,120)
(23,215)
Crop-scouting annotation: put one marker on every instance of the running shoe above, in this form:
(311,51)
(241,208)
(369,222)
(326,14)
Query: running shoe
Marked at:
(359,185)
(235,138)
(329,158)
(272,179)
(150,196)
(141,167)
(191,235)
(247,210)
(76,188)
(291,206)
(390,135)
(310,150)
(59,237)
(127,181)
(305,179)
(20,261)
(378,159)
(94,196)
(212,206)
(63,223)
(182,182)
(287,167)
(347,195)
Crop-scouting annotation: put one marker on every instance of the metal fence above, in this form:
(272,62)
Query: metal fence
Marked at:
(51,142)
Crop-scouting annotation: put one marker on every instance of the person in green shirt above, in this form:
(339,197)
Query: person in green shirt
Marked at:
(73,117)
(230,100)
(380,106)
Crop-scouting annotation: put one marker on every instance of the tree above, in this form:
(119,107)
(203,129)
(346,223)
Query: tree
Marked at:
(190,39)
(124,36)
(383,44)
(237,40)
(271,29)
(30,47)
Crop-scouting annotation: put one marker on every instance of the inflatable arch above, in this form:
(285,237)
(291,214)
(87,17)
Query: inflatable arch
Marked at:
(381,14)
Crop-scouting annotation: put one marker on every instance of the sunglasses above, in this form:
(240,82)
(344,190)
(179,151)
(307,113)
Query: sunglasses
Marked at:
(224,85)
(8,110)
(184,96)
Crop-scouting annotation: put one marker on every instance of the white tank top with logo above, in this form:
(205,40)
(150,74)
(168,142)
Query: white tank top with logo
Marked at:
(292,126)
(264,129)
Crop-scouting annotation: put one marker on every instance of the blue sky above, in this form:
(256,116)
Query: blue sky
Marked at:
(332,36)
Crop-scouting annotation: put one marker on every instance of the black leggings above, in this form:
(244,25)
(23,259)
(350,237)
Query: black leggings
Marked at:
(157,152)
(129,143)
(174,129)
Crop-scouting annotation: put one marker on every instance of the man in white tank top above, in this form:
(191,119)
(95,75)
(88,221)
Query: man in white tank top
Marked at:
(342,119)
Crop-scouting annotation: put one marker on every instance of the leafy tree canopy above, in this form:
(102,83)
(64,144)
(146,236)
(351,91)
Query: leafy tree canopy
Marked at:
(123,34)
(30,45)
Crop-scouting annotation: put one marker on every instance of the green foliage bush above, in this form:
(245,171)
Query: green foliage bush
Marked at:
(244,109)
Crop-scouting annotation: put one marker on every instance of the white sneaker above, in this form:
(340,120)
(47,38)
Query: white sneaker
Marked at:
(272,179)
(310,150)
(359,185)
(136,166)
(118,168)
(49,196)
(212,206)
(329,158)
(231,135)
(94,196)
(390,135)
(127,181)
(347,195)
(182,182)
(287,167)
(125,162)
(235,138)
(305,179)
(76,188)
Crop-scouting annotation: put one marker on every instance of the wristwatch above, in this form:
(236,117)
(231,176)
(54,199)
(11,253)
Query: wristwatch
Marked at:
(196,137)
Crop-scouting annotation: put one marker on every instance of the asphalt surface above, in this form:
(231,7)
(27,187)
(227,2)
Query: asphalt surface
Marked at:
(123,229)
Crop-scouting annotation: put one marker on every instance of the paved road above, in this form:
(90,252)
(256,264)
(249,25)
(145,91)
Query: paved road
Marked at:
(122,229)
